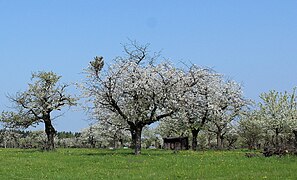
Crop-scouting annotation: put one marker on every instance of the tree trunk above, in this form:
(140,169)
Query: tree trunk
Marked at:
(222,141)
(50,133)
(91,141)
(276,138)
(251,144)
(133,136)
(209,137)
(121,142)
(219,140)
(194,139)
(115,142)
(137,140)
(295,134)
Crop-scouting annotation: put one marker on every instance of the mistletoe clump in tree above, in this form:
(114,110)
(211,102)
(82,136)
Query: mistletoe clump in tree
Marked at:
(135,89)
(43,96)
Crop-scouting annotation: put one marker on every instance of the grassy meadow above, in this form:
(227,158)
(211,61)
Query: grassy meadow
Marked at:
(152,164)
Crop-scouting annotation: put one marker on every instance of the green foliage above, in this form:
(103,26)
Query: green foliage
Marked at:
(278,115)
(96,65)
(250,130)
(152,164)
(64,134)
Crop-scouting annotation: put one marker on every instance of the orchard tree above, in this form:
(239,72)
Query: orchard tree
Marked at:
(134,88)
(9,138)
(104,134)
(172,127)
(150,138)
(206,98)
(35,105)
(250,129)
(278,113)
(227,104)
(34,139)
(231,136)
(200,86)
(90,136)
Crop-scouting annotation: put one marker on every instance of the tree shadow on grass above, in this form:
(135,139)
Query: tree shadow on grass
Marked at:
(119,152)
(100,152)
(105,152)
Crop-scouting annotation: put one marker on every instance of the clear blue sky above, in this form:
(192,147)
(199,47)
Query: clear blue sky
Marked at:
(253,42)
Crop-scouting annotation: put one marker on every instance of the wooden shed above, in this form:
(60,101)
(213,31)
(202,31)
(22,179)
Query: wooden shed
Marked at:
(176,143)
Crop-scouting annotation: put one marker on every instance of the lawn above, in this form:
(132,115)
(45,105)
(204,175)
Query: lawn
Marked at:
(152,164)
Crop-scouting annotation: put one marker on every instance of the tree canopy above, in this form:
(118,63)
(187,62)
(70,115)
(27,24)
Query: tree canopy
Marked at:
(135,90)
(35,105)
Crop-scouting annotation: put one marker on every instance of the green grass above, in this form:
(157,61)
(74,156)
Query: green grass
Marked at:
(152,164)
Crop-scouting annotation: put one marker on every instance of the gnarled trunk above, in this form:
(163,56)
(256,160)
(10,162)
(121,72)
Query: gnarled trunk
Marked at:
(136,130)
(133,136)
(194,139)
(137,141)
(50,133)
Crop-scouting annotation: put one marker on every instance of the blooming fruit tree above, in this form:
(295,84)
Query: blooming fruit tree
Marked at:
(134,89)
(36,104)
